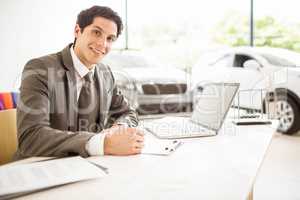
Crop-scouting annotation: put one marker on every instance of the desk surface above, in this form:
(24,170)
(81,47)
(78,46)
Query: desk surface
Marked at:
(221,167)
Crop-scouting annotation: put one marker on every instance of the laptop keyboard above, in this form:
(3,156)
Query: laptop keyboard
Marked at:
(175,127)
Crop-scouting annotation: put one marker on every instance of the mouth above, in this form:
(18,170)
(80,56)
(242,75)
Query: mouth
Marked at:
(97,51)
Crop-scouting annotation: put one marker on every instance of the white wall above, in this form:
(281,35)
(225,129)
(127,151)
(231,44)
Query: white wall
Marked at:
(33,28)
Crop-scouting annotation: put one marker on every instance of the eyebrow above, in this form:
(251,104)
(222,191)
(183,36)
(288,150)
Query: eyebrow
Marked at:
(98,27)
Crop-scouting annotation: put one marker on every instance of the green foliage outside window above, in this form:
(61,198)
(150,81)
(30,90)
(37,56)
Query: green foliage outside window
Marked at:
(234,31)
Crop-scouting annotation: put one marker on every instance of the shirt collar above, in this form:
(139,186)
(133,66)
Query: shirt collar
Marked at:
(81,69)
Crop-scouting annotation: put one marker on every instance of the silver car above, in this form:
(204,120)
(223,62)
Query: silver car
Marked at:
(148,85)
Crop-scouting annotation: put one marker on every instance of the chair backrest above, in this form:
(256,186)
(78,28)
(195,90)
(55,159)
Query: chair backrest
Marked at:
(8,135)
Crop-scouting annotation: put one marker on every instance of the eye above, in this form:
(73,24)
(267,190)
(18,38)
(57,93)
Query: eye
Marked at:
(111,39)
(97,33)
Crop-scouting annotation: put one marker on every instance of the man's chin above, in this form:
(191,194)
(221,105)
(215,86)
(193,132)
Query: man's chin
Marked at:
(97,59)
(100,57)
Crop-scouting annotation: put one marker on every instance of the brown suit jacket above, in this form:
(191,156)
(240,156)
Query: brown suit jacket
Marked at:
(46,112)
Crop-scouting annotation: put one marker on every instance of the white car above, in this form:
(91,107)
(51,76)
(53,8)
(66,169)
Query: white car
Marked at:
(150,87)
(265,75)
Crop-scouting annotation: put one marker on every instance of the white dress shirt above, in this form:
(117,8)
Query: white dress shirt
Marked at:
(95,145)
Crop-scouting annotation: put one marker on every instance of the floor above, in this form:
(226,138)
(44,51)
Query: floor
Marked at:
(279,177)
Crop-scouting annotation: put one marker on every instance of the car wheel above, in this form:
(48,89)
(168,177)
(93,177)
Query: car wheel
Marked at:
(287,112)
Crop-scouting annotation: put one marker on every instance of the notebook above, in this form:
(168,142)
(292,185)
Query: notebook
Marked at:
(211,106)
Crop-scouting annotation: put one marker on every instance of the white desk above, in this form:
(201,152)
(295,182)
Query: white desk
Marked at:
(221,167)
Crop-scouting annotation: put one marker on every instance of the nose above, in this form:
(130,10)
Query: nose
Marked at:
(102,42)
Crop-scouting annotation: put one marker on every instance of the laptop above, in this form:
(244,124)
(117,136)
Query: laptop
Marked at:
(211,106)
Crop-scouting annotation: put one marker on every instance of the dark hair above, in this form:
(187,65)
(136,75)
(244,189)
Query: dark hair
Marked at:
(86,17)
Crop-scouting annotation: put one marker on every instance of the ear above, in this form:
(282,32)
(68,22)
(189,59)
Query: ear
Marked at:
(77,31)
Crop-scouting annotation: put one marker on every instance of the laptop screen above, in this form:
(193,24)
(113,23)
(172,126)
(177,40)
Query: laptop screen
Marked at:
(212,104)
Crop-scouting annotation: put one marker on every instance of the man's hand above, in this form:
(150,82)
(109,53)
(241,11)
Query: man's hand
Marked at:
(121,140)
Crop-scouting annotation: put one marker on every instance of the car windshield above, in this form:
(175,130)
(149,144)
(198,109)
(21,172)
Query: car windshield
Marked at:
(285,59)
(119,61)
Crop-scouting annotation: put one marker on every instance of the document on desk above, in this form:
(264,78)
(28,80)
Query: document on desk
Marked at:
(17,180)
(156,146)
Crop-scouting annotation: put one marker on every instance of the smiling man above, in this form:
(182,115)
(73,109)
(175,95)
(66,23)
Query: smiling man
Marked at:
(69,103)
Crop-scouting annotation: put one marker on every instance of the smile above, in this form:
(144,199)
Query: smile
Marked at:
(97,51)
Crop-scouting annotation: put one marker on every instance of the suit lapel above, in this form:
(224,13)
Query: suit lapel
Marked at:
(71,95)
(71,90)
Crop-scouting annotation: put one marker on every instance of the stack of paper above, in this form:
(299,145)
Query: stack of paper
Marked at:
(17,180)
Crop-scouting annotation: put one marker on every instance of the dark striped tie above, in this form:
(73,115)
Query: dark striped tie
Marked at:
(88,107)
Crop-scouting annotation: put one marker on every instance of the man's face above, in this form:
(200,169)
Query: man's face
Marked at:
(95,40)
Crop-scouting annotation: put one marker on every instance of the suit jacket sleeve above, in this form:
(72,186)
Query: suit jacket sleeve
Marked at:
(120,111)
(35,135)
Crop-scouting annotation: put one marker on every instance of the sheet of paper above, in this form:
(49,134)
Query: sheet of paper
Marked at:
(29,177)
(156,146)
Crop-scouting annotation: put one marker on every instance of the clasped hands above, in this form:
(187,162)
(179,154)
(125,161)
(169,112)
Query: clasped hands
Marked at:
(123,140)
